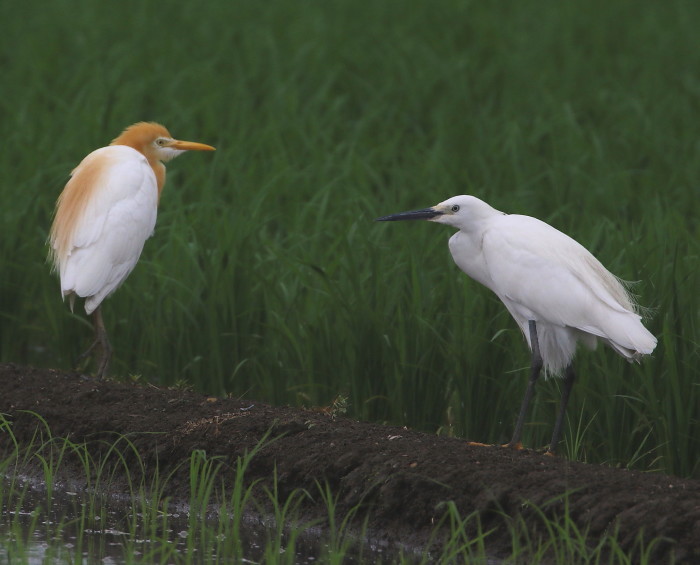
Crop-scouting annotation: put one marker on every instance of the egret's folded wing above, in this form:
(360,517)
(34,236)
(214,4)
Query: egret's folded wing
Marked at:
(113,217)
(547,276)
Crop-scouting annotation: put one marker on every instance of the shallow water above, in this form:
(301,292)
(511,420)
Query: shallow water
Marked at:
(76,529)
(67,533)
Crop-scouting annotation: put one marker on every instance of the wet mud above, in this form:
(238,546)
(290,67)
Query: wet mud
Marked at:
(400,478)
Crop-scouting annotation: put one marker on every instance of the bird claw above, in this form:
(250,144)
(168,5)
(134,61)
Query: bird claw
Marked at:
(102,360)
(102,367)
(85,354)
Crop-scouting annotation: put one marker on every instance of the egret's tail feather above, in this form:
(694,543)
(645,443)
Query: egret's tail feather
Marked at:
(630,339)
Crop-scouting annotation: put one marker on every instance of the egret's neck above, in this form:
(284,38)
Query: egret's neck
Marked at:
(159,171)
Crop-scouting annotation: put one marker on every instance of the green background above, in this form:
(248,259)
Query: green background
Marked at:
(267,278)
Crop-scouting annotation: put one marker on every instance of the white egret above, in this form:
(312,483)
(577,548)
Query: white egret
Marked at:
(104,215)
(557,291)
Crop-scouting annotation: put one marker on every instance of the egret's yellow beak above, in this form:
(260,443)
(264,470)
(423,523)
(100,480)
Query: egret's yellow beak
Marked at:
(190,146)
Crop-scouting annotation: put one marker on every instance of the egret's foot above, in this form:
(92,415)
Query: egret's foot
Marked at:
(101,343)
(103,364)
(83,360)
(85,354)
(104,357)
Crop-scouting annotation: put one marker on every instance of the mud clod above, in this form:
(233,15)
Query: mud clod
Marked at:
(401,476)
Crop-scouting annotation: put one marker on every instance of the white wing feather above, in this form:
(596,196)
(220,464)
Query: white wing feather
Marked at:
(110,234)
(543,275)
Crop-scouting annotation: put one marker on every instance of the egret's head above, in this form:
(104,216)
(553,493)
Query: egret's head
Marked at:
(155,142)
(458,211)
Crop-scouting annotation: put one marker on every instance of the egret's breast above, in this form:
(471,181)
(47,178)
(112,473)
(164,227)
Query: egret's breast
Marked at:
(468,254)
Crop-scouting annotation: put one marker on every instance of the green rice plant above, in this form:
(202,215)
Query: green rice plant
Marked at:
(542,533)
(461,545)
(562,540)
(203,472)
(577,431)
(8,464)
(340,540)
(16,549)
(285,530)
(266,277)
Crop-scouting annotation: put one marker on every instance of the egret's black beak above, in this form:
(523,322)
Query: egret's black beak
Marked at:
(425,214)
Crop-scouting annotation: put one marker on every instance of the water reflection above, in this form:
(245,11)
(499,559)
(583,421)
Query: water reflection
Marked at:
(78,528)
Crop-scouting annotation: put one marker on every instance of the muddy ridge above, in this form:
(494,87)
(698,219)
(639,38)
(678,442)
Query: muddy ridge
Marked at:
(401,477)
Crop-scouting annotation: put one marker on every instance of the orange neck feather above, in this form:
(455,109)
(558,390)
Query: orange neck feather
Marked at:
(140,136)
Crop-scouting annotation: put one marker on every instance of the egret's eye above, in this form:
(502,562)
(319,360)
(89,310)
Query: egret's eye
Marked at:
(455,208)
(160,141)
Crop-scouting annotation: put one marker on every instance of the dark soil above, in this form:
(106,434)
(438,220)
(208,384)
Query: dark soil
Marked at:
(399,476)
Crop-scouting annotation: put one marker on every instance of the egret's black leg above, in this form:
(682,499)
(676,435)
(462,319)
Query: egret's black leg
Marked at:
(569,378)
(105,347)
(103,342)
(535,368)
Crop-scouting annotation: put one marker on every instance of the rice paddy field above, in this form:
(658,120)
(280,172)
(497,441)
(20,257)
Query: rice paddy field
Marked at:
(266,277)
